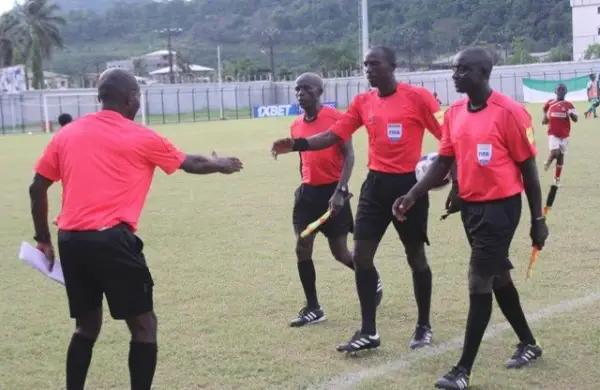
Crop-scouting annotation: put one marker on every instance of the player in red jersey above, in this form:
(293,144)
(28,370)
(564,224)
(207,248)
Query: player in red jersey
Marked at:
(325,175)
(558,114)
(106,163)
(396,116)
(490,137)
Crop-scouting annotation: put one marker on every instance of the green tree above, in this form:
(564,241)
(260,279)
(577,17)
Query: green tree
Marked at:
(7,38)
(560,53)
(38,34)
(521,50)
(592,52)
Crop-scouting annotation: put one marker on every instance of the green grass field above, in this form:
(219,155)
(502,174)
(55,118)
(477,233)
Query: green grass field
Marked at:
(221,249)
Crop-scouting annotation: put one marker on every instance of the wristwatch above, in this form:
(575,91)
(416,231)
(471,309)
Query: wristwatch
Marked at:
(342,190)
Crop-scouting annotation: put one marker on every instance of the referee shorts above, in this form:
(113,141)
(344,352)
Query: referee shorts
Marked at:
(490,228)
(310,202)
(108,262)
(374,212)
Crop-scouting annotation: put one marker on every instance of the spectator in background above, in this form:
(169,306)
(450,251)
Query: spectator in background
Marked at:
(64,119)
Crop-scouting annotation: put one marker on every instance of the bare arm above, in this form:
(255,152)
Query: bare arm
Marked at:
(38,194)
(531,181)
(436,172)
(319,141)
(574,117)
(348,152)
(201,165)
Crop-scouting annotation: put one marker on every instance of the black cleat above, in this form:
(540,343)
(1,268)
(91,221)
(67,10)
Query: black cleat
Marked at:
(524,354)
(360,342)
(457,379)
(379,291)
(308,316)
(422,337)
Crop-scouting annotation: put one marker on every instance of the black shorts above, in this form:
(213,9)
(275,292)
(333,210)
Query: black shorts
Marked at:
(108,262)
(374,212)
(490,227)
(310,202)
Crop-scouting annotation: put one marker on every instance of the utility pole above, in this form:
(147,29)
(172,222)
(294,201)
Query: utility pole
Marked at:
(169,32)
(270,33)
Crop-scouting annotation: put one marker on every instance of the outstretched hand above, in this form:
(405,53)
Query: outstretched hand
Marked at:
(282,146)
(228,165)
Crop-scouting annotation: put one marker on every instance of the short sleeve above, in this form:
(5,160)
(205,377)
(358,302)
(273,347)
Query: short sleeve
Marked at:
(350,121)
(570,108)
(519,135)
(48,165)
(446,148)
(546,105)
(432,114)
(163,154)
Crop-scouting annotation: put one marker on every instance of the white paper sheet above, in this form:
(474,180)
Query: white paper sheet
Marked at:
(36,259)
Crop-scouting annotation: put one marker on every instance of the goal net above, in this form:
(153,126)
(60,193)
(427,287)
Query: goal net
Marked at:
(77,105)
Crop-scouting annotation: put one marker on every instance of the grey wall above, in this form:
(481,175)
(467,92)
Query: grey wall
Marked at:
(186,102)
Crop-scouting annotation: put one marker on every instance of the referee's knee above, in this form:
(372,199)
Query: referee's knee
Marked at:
(416,257)
(144,327)
(480,284)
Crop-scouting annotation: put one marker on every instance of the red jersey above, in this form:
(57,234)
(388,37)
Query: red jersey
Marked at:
(106,164)
(395,125)
(488,146)
(559,122)
(322,166)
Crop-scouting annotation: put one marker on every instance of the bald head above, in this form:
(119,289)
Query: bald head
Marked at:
(118,90)
(309,88)
(477,57)
(472,70)
(310,79)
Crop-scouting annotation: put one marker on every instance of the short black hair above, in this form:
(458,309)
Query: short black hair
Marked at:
(388,54)
(115,86)
(64,119)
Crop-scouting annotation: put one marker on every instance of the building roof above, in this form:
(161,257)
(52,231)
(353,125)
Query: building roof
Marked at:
(193,68)
(159,53)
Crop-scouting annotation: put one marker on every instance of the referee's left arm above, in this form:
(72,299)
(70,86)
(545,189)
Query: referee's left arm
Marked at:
(520,140)
(47,171)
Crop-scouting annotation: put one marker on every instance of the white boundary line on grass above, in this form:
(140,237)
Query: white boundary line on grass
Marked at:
(353,379)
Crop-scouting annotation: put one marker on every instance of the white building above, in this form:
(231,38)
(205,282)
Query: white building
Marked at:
(586,25)
(146,63)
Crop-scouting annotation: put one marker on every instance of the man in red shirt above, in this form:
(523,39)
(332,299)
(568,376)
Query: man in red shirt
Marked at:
(491,138)
(325,175)
(106,162)
(396,116)
(558,114)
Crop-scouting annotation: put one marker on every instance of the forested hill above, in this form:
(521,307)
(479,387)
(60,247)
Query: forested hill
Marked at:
(306,33)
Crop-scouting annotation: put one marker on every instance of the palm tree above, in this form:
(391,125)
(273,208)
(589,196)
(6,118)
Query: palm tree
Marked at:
(38,31)
(8,22)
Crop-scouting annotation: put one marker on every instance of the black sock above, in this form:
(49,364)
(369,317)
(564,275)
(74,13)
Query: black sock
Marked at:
(422,288)
(142,364)
(79,356)
(366,285)
(480,311)
(510,304)
(308,278)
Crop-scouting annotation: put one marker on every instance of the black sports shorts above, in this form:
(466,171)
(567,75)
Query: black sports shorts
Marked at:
(310,202)
(374,212)
(108,262)
(490,227)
